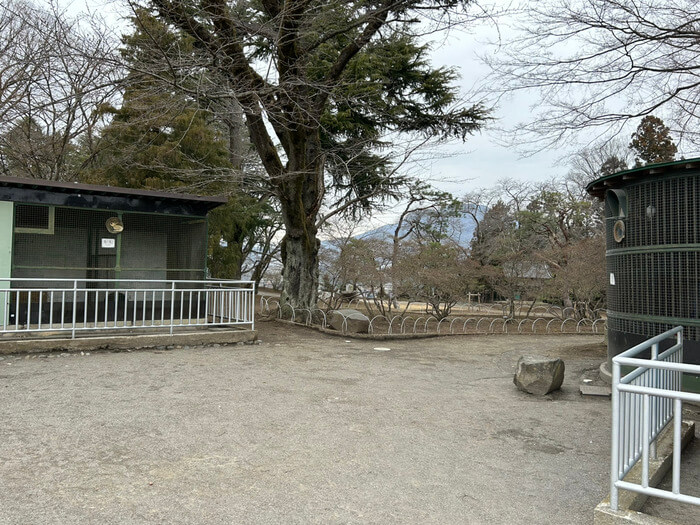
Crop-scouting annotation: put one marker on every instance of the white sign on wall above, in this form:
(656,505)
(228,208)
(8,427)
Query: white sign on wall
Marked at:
(109,243)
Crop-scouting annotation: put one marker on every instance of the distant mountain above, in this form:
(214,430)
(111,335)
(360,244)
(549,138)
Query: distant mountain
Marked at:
(460,229)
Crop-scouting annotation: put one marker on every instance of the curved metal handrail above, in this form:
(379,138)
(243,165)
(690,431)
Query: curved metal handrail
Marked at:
(425,326)
(464,326)
(308,317)
(561,327)
(370,329)
(391,323)
(287,305)
(505,323)
(578,325)
(535,322)
(599,321)
(520,324)
(403,329)
(416,324)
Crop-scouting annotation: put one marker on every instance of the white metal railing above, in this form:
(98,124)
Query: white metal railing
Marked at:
(31,305)
(644,401)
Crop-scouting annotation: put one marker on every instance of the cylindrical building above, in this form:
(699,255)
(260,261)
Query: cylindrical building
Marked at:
(652,224)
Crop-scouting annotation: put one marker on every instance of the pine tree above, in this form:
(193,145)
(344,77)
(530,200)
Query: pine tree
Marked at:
(163,139)
(159,138)
(320,59)
(652,142)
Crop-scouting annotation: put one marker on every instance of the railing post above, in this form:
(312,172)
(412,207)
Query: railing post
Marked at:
(615,451)
(172,306)
(655,401)
(646,409)
(75,303)
(252,307)
(677,427)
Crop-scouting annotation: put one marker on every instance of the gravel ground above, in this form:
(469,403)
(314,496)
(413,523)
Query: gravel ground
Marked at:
(302,428)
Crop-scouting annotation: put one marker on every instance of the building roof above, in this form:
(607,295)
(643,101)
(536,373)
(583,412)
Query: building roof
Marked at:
(597,187)
(39,191)
(527,270)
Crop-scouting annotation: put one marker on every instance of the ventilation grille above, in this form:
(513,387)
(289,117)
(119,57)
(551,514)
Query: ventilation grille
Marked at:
(661,284)
(660,211)
(648,328)
(663,219)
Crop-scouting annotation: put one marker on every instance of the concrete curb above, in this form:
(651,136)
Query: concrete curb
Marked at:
(631,502)
(605,516)
(126,342)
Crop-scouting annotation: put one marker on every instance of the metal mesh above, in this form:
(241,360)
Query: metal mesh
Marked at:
(78,245)
(656,267)
(660,212)
(28,216)
(648,328)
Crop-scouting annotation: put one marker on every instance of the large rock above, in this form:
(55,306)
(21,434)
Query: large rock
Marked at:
(356,322)
(539,375)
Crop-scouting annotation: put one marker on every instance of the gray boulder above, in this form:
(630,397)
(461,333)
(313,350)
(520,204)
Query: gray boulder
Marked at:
(539,375)
(356,322)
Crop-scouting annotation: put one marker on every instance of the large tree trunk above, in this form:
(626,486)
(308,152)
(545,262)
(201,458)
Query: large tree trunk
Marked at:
(301,195)
(236,127)
(300,260)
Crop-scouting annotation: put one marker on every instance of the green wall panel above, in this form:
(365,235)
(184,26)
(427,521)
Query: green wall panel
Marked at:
(6,223)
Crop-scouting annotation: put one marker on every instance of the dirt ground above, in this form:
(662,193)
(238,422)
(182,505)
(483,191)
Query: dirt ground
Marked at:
(302,428)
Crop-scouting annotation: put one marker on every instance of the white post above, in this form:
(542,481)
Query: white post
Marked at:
(252,308)
(645,440)
(75,304)
(677,418)
(172,306)
(615,451)
(656,401)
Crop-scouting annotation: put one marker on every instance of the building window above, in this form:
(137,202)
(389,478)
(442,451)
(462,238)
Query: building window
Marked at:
(30,218)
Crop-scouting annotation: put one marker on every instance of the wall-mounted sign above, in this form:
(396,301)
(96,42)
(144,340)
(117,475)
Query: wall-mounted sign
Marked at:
(109,243)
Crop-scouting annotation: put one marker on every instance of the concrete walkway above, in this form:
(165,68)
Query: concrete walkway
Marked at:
(303,428)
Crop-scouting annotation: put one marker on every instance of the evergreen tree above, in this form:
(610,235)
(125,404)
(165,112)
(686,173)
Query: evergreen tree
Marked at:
(163,139)
(160,138)
(652,142)
(317,56)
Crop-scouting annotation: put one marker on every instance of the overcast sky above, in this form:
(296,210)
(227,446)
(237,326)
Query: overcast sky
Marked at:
(484,159)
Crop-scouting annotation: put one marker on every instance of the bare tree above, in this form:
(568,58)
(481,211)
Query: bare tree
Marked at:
(361,264)
(54,78)
(532,233)
(594,161)
(440,274)
(424,211)
(601,63)
(583,276)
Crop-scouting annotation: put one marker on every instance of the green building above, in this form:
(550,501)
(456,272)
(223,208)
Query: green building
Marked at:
(99,237)
(652,223)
